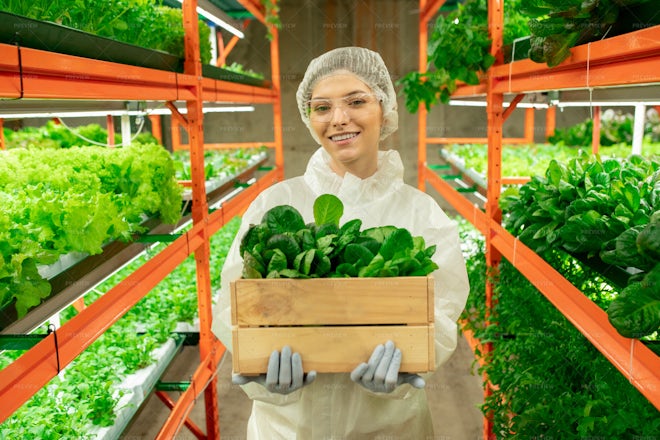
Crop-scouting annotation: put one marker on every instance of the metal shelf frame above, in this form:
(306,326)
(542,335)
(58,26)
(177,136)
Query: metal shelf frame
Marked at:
(28,73)
(624,60)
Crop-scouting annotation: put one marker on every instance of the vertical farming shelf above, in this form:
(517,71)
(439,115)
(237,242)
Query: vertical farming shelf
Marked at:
(34,74)
(605,63)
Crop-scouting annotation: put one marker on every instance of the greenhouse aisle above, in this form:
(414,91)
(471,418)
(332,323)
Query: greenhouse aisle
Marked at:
(454,394)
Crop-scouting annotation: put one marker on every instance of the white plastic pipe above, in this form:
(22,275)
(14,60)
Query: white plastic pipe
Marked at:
(638,128)
(125,130)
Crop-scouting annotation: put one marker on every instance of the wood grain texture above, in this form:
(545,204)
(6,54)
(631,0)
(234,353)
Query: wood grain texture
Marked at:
(328,301)
(332,349)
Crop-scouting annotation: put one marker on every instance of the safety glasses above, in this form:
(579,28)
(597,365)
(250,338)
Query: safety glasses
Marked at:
(355,105)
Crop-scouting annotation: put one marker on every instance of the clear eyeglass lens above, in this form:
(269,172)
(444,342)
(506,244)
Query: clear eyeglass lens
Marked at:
(322,110)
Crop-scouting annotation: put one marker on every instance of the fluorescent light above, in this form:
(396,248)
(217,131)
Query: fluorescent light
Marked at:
(606,103)
(83,114)
(219,22)
(183,110)
(506,104)
(465,103)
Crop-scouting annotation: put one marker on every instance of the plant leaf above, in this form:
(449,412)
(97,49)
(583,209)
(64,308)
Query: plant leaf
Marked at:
(328,209)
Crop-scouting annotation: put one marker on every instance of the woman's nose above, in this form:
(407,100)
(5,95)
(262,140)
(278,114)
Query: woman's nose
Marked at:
(339,115)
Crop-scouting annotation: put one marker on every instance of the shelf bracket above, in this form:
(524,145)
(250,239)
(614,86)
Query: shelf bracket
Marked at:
(176,114)
(512,106)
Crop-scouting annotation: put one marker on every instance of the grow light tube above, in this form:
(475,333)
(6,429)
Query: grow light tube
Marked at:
(465,103)
(560,104)
(88,113)
(219,22)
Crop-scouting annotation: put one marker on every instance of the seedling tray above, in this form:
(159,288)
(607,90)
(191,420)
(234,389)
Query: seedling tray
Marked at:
(334,323)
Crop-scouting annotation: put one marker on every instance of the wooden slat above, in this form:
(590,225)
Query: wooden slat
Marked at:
(327,301)
(334,349)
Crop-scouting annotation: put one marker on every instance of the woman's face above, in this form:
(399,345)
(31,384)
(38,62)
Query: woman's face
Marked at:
(346,116)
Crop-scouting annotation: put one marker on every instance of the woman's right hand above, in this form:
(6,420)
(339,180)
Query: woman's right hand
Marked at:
(284,375)
(381,373)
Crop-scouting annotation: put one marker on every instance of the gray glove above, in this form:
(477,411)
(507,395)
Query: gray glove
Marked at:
(284,375)
(381,374)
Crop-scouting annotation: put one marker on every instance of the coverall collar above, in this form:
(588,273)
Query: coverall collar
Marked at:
(350,188)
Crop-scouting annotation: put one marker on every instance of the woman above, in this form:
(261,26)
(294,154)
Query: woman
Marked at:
(347,100)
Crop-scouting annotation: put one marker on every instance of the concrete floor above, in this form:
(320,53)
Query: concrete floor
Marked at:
(454,393)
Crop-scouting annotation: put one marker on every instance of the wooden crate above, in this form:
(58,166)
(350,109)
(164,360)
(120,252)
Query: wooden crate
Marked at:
(334,323)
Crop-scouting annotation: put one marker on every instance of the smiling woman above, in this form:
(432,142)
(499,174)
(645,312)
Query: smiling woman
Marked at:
(348,102)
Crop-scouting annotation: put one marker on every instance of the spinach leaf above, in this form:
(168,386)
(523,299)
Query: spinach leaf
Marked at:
(283,218)
(636,311)
(328,209)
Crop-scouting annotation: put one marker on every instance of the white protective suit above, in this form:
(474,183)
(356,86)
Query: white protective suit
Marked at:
(334,407)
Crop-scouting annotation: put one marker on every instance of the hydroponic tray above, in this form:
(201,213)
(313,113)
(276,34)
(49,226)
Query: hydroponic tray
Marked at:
(43,35)
(136,388)
(220,185)
(78,278)
(468,175)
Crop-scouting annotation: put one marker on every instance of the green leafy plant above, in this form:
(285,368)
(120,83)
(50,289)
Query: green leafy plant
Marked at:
(602,210)
(283,246)
(53,135)
(238,68)
(272,16)
(75,200)
(557,26)
(548,380)
(88,392)
(146,23)
(458,50)
(616,128)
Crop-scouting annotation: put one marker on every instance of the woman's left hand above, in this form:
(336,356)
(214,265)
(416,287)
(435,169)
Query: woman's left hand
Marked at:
(381,373)
(284,375)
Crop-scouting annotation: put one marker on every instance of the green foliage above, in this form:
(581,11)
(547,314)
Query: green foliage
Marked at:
(272,16)
(549,381)
(238,68)
(594,208)
(458,50)
(145,23)
(636,311)
(87,394)
(557,26)
(217,163)
(616,128)
(282,246)
(75,200)
(53,135)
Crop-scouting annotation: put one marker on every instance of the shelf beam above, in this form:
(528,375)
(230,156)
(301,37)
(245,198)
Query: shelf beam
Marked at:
(48,75)
(624,60)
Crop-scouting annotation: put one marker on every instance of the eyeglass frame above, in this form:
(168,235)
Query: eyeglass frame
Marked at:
(345,107)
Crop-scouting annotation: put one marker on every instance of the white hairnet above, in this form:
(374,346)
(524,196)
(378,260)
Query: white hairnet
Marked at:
(366,65)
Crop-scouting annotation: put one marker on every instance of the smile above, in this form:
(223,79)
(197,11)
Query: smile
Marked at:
(343,137)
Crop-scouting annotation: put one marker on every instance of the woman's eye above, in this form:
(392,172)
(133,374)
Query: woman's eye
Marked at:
(320,108)
(356,102)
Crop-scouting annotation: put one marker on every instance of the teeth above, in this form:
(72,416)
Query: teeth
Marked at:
(341,137)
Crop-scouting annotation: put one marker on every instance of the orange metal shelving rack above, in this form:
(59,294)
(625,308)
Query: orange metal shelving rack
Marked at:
(625,60)
(35,74)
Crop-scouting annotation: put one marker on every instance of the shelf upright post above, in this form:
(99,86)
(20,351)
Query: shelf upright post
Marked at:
(110,125)
(195,126)
(550,121)
(495,118)
(421,119)
(277,105)
(2,134)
